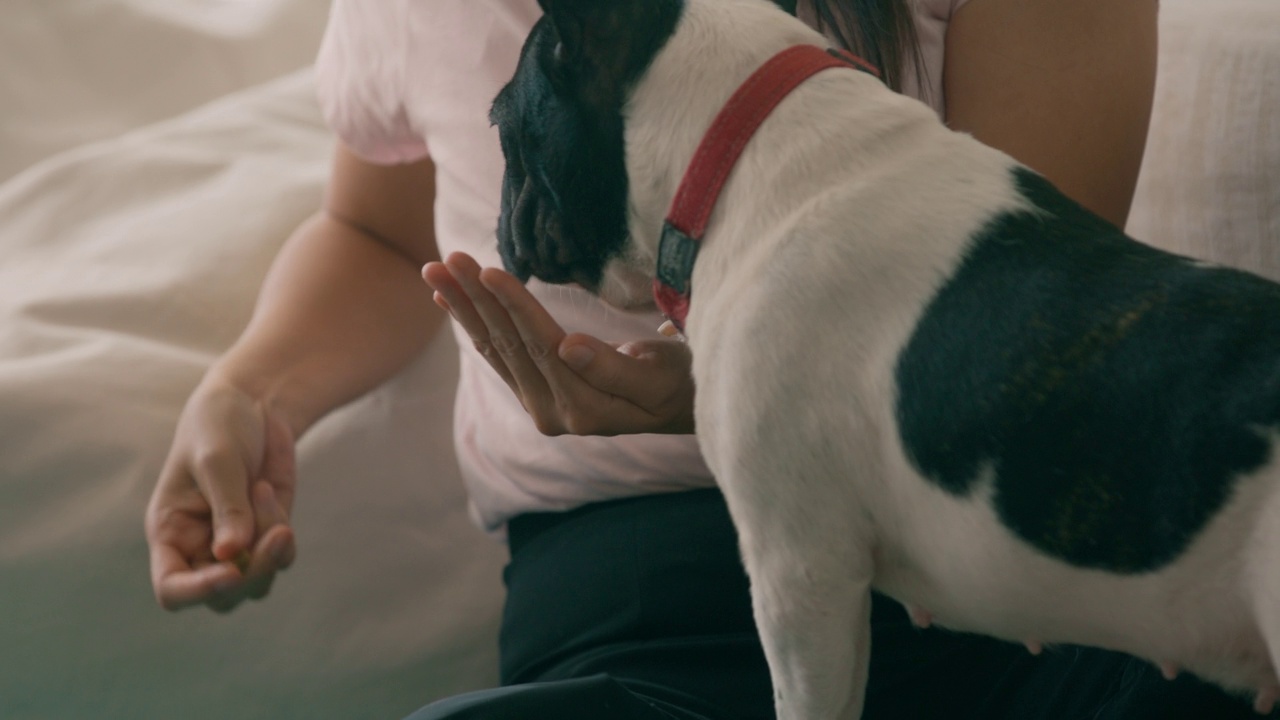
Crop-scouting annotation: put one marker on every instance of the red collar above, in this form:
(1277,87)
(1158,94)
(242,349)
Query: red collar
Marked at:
(714,160)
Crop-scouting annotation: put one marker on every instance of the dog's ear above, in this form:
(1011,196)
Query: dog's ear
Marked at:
(609,42)
(570,20)
(589,29)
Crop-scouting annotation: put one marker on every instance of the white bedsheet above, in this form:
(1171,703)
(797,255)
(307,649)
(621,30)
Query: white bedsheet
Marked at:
(153,155)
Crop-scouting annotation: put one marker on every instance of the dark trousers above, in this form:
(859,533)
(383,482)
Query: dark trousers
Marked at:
(639,609)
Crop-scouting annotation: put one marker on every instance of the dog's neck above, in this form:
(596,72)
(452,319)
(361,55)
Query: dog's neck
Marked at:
(717,155)
(683,90)
(832,131)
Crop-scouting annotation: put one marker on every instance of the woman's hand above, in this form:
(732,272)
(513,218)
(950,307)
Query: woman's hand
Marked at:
(218,520)
(569,384)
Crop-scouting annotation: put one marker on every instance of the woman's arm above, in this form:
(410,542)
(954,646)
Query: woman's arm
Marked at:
(342,309)
(344,306)
(1064,86)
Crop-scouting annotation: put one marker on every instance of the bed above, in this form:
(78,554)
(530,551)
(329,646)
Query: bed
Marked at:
(153,156)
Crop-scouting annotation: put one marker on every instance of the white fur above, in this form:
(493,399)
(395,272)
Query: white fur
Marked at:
(796,322)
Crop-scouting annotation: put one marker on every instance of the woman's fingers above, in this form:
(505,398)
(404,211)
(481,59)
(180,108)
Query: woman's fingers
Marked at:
(569,403)
(184,568)
(524,357)
(275,538)
(274,550)
(642,386)
(180,529)
(539,333)
(451,296)
(224,585)
(626,370)
(232,513)
(218,521)
(178,585)
(649,379)
(568,384)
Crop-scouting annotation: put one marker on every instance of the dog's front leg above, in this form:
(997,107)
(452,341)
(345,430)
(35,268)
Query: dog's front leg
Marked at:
(814,619)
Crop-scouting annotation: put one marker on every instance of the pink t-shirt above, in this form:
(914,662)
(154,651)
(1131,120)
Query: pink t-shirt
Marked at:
(403,79)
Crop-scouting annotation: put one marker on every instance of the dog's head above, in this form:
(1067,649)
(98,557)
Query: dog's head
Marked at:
(560,120)
(567,204)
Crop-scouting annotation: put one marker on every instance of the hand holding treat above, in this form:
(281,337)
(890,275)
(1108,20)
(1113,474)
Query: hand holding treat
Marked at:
(218,521)
(570,384)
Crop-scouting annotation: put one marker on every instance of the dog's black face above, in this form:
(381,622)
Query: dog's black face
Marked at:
(564,193)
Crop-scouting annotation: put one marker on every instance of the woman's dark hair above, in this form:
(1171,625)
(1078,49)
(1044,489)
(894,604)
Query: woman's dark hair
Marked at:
(881,31)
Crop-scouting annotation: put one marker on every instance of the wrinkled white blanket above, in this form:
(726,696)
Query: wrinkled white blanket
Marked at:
(153,155)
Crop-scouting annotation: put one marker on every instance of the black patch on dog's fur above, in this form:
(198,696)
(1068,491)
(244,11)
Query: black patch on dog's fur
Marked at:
(1115,390)
(564,192)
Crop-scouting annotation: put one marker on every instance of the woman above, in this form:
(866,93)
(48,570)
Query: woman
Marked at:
(625,593)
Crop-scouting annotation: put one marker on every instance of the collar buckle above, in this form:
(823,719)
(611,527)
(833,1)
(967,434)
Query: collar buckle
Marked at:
(676,255)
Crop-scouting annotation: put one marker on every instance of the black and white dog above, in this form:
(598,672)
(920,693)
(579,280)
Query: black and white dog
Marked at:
(920,368)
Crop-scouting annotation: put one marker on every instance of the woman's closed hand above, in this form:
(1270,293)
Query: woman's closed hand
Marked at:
(218,521)
(569,384)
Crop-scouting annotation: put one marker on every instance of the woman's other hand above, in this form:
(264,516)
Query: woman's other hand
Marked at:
(569,384)
(218,521)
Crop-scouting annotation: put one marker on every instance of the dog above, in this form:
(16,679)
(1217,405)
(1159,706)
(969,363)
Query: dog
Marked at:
(920,368)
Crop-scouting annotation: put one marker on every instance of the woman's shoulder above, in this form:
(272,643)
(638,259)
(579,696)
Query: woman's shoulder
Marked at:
(923,78)
(359,73)
(388,68)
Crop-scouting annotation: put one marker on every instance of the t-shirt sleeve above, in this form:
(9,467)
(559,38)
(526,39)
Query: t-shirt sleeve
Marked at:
(946,8)
(360,72)
(922,78)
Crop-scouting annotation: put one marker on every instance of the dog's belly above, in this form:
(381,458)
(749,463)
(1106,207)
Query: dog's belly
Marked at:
(1100,420)
(954,558)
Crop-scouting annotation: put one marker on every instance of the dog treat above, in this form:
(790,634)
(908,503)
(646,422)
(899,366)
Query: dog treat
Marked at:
(668,328)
